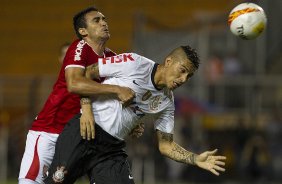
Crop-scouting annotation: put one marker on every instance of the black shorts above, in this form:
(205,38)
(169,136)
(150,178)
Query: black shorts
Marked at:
(103,159)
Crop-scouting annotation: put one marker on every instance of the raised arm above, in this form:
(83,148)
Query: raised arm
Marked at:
(206,160)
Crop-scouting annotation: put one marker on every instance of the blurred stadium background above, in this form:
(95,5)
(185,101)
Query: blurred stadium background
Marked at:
(233,103)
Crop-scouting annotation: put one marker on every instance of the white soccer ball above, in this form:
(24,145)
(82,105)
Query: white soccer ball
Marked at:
(247,20)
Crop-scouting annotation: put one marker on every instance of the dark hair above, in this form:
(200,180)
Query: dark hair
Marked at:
(192,55)
(79,20)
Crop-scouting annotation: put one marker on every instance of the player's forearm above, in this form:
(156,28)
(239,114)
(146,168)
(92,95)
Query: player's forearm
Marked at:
(179,154)
(172,150)
(88,87)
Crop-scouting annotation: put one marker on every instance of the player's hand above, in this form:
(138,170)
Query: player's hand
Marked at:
(210,162)
(137,131)
(125,95)
(87,124)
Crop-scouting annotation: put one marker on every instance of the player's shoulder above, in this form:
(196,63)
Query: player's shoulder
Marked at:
(142,60)
(134,55)
(77,50)
(78,43)
(128,58)
(131,56)
(77,46)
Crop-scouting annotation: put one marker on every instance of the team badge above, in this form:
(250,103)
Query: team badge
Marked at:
(59,175)
(155,102)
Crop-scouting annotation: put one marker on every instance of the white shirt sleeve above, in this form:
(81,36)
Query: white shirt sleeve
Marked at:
(119,66)
(165,122)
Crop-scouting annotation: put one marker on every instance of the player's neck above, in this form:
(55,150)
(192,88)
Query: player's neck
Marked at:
(98,47)
(159,77)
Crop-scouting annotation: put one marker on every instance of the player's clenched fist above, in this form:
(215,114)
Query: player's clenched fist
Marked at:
(125,95)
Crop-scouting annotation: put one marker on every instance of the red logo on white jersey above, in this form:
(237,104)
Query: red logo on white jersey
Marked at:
(118,59)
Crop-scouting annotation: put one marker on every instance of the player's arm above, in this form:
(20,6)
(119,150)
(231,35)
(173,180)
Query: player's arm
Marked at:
(87,122)
(125,94)
(206,160)
(92,73)
(77,83)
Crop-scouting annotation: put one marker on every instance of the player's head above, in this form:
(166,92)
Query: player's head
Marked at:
(179,66)
(63,51)
(92,24)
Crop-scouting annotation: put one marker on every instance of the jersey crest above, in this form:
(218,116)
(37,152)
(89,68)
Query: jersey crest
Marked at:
(154,103)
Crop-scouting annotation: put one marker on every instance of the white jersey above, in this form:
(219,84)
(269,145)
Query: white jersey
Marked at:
(136,72)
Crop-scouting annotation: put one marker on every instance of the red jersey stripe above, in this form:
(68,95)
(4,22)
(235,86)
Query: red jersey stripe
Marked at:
(34,167)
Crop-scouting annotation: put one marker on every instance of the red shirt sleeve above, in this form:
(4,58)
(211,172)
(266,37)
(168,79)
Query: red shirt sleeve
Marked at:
(76,55)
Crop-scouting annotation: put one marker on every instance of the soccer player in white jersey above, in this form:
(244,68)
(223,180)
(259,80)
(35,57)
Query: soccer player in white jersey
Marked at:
(104,158)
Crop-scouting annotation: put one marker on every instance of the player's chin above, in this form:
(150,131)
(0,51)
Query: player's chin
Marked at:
(107,34)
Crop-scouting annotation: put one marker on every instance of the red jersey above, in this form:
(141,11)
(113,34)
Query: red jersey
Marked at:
(61,105)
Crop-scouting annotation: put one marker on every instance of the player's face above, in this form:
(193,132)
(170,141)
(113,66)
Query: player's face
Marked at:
(97,27)
(177,73)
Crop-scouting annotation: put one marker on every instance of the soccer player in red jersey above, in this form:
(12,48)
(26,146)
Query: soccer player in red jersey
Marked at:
(64,101)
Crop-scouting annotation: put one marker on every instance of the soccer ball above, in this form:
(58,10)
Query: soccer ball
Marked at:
(247,20)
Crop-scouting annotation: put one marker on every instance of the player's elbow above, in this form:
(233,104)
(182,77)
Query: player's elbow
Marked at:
(72,86)
(71,89)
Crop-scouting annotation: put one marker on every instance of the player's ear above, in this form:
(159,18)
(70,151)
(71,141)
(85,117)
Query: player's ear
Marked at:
(83,32)
(168,61)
